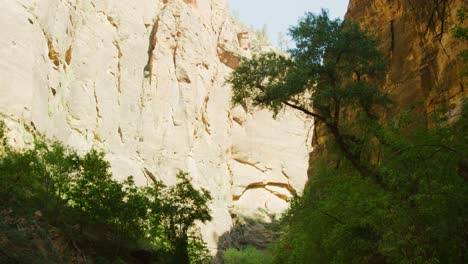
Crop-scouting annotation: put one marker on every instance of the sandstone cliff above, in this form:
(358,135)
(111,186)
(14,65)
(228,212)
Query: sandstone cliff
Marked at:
(424,56)
(143,80)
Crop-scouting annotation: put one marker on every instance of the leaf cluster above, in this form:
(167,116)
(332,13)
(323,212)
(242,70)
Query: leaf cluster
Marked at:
(247,255)
(334,65)
(344,217)
(390,189)
(332,75)
(106,218)
(461,32)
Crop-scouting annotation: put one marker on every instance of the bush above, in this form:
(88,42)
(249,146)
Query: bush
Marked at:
(248,255)
(418,217)
(107,219)
(390,189)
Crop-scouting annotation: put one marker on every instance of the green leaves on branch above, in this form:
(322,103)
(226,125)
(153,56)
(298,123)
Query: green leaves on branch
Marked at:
(259,82)
(182,205)
(389,189)
(343,217)
(78,194)
(333,74)
(460,31)
(333,66)
(248,255)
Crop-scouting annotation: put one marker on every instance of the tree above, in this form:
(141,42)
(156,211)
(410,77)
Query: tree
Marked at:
(396,189)
(181,206)
(334,68)
(343,217)
(114,218)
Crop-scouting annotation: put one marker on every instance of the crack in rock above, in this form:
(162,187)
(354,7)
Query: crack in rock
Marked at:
(119,69)
(249,163)
(204,115)
(150,175)
(153,40)
(119,131)
(263,185)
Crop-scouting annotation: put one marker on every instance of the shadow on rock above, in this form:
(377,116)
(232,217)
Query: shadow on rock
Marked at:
(247,232)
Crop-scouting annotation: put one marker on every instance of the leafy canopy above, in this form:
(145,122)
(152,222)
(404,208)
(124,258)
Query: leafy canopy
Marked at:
(385,192)
(334,65)
(104,217)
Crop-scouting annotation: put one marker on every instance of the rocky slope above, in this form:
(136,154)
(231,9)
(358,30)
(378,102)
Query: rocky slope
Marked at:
(143,80)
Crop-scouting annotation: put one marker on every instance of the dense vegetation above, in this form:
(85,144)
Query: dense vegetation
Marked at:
(391,187)
(247,255)
(61,207)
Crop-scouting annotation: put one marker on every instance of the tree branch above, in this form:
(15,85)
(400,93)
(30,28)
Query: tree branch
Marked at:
(305,111)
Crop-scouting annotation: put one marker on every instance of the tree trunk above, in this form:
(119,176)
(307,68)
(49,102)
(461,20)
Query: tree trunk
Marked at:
(181,251)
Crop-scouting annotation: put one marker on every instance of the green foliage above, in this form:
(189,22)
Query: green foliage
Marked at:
(248,255)
(335,68)
(198,250)
(391,192)
(181,206)
(73,191)
(346,218)
(328,54)
(461,32)
(106,218)
(2,134)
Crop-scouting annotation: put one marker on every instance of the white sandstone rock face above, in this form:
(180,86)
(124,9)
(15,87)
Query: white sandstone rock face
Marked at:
(144,80)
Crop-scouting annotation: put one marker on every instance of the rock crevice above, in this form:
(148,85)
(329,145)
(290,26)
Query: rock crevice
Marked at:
(267,186)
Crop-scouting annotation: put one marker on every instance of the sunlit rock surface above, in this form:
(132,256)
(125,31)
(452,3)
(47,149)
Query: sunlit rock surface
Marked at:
(144,80)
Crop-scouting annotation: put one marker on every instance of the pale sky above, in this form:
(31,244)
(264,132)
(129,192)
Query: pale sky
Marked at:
(279,15)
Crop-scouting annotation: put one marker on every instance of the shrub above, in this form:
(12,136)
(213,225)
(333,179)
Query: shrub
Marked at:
(248,255)
(107,219)
(391,189)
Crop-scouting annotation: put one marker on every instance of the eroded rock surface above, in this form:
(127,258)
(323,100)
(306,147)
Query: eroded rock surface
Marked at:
(423,55)
(144,80)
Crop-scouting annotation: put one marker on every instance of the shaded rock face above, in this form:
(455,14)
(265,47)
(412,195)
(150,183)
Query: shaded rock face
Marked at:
(144,81)
(247,232)
(424,56)
(424,61)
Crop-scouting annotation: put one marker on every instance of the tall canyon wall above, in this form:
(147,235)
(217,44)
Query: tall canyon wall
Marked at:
(144,81)
(424,56)
(424,62)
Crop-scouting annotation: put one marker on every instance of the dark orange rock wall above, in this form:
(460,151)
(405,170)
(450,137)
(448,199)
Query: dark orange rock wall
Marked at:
(424,61)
